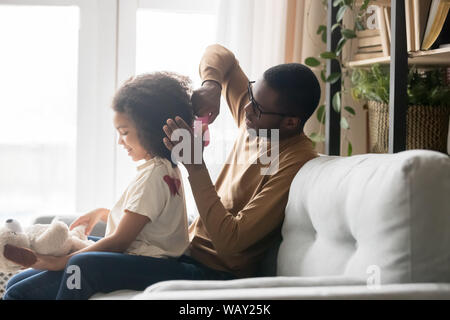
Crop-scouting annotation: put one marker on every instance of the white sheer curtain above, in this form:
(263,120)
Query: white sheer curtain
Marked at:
(255,31)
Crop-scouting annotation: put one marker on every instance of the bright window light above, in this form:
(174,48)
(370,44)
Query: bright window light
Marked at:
(174,41)
(38,81)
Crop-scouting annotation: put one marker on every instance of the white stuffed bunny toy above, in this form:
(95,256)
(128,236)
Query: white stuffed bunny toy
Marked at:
(53,239)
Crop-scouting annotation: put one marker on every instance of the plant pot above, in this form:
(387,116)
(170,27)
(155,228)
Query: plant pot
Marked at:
(426,127)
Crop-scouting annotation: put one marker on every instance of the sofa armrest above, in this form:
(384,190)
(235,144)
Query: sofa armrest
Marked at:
(98,231)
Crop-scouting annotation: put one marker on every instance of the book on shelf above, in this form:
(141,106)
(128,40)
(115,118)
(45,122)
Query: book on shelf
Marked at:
(410,33)
(421,10)
(387,18)
(427,27)
(436,23)
(374,43)
(384,35)
(368,45)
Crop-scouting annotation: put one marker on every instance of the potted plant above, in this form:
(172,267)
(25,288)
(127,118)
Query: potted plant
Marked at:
(359,11)
(428,111)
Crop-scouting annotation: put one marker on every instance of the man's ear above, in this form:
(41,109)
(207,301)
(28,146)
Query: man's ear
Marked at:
(291,123)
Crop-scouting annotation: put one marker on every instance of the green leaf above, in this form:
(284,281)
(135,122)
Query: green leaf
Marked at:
(348,33)
(359,25)
(323,76)
(350,110)
(349,149)
(337,102)
(333,77)
(337,2)
(312,62)
(328,55)
(340,14)
(324,37)
(365,5)
(316,137)
(336,25)
(344,123)
(321,114)
(322,28)
(340,45)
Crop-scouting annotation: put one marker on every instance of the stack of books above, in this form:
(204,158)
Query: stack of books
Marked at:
(375,41)
(427,27)
(369,45)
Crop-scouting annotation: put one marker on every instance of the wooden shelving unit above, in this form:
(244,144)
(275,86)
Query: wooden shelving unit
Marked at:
(430,57)
(399,60)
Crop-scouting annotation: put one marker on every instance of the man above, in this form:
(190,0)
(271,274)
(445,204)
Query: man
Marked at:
(240,216)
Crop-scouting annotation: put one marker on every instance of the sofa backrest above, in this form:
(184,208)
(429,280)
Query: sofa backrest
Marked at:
(374,215)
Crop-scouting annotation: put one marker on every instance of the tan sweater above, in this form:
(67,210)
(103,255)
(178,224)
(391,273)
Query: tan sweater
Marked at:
(241,215)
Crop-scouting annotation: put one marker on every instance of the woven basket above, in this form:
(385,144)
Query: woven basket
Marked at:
(426,127)
(4,278)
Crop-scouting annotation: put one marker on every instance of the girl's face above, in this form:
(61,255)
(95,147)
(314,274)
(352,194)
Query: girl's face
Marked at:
(128,137)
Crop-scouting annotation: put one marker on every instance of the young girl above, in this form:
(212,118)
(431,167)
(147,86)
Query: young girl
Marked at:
(146,232)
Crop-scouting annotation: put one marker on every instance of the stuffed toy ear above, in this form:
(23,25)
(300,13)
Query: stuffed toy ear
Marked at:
(22,256)
(13,225)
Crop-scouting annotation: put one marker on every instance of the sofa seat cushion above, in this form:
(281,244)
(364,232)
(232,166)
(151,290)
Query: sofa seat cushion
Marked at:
(257,282)
(391,291)
(115,295)
(383,217)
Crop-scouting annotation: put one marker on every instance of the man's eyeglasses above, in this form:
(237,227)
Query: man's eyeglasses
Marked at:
(257,108)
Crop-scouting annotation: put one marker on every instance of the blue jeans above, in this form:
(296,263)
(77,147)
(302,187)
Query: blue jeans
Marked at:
(105,272)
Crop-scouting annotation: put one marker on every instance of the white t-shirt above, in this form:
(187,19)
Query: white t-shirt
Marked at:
(156,192)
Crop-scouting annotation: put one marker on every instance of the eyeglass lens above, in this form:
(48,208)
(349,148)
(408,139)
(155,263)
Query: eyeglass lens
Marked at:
(252,100)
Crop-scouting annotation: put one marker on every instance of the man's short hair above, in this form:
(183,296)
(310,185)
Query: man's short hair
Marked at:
(298,89)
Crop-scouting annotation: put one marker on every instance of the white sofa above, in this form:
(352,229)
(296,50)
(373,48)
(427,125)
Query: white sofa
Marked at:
(373,226)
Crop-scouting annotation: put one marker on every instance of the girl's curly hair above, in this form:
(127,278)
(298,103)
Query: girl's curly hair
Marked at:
(149,100)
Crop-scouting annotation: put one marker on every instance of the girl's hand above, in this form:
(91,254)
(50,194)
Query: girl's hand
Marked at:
(50,263)
(90,219)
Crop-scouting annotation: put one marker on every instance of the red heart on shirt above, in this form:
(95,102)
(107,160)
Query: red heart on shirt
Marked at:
(173,183)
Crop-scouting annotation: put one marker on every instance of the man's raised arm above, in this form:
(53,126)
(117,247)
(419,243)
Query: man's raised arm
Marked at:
(220,71)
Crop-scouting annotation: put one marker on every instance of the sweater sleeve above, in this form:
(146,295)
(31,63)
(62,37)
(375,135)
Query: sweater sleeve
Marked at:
(219,64)
(233,234)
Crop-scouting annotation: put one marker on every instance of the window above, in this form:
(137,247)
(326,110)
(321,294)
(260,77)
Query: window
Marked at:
(39,61)
(172,41)
(61,62)
(170,36)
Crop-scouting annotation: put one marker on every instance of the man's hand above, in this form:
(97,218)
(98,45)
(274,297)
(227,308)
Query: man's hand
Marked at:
(190,164)
(206,100)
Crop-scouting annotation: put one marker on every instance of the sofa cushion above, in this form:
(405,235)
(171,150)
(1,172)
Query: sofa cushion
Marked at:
(97,231)
(380,217)
(391,291)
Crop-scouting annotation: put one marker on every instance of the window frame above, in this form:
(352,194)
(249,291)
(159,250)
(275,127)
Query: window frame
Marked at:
(126,57)
(96,83)
(106,58)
